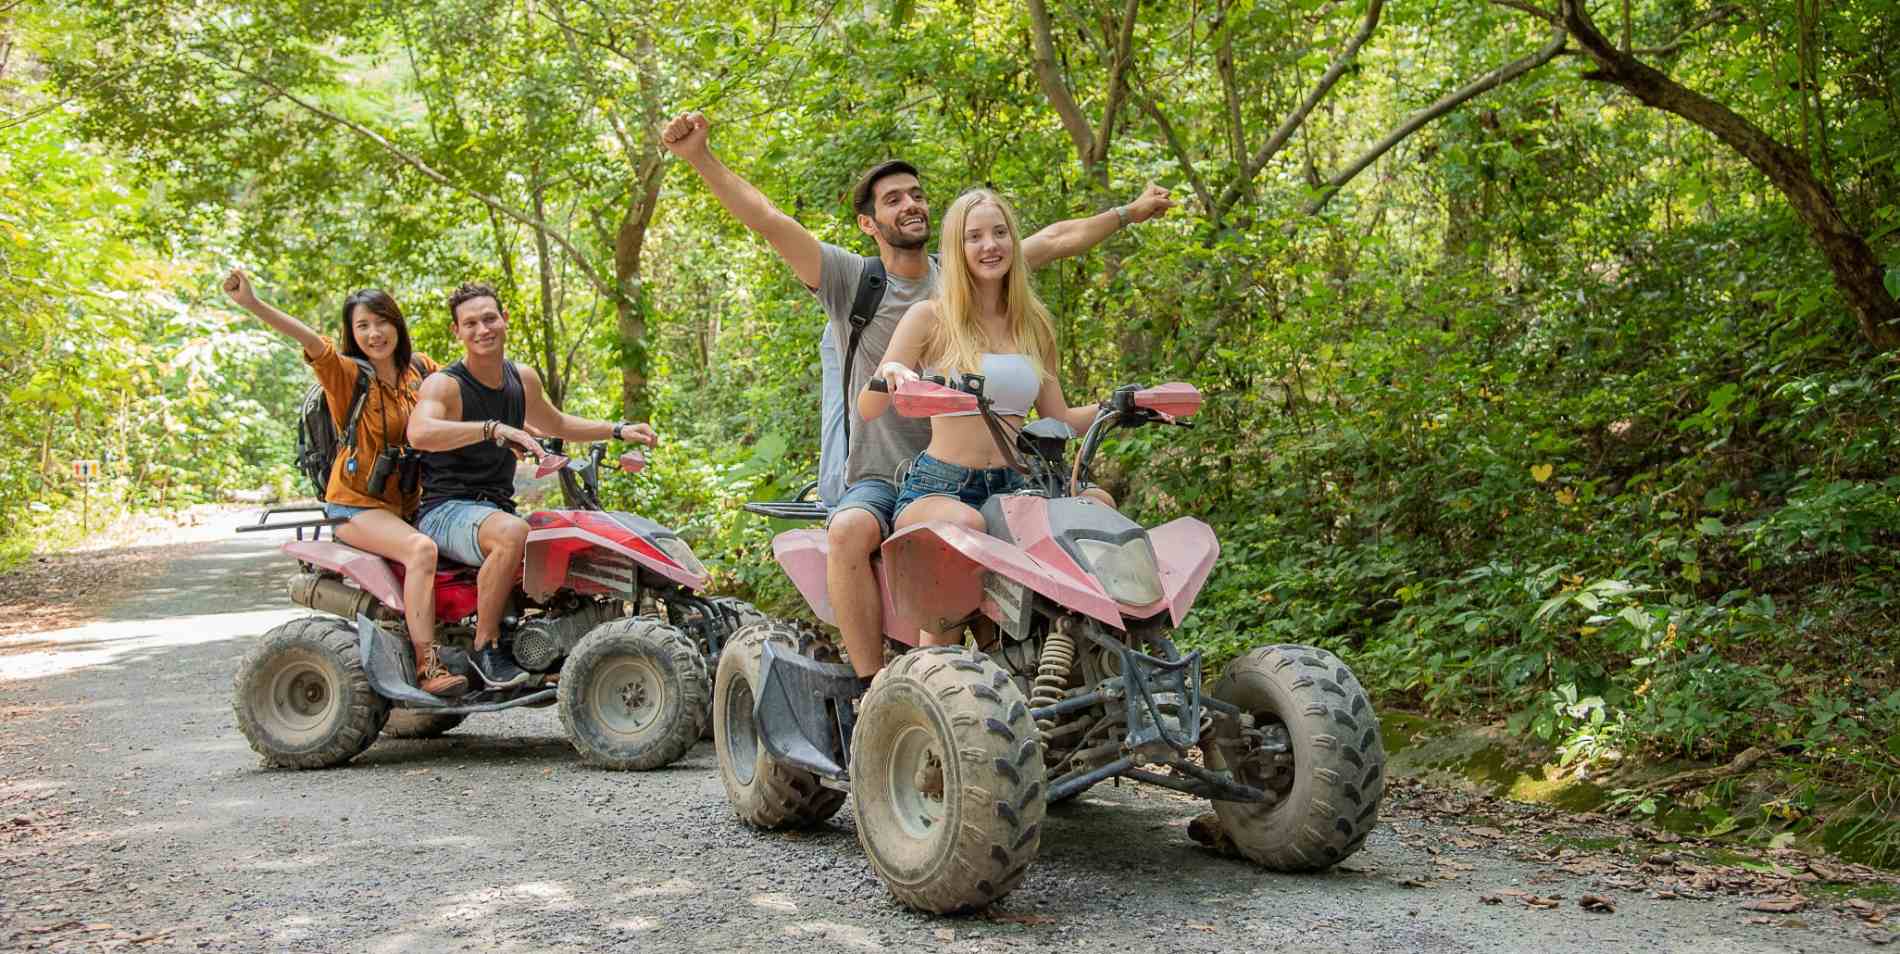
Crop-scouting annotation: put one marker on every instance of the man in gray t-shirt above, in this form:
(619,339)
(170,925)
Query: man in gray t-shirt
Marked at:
(890,207)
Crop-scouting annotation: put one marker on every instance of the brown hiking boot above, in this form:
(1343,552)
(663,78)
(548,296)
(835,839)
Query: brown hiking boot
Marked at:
(433,679)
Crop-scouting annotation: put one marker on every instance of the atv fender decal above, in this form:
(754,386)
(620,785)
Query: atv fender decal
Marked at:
(937,547)
(550,550)
(368,570)
(803,553)
(1186,550)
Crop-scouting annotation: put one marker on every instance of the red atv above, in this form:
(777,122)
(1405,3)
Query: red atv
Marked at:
(606,615)
(952,756)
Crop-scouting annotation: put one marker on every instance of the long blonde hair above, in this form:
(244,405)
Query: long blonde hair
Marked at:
(957,342)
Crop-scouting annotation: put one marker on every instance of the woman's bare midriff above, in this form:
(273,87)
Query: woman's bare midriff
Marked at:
(966,442)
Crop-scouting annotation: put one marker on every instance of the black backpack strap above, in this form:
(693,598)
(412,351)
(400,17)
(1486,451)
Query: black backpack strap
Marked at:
(347,440)
(863,307)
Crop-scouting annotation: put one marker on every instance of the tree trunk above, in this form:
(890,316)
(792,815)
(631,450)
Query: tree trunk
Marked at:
(630,305)
(1857,273)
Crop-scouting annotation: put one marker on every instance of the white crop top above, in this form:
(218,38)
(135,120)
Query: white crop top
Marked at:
(1010,382)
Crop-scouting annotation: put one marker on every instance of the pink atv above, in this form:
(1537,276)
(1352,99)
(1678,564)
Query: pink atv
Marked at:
(606,616)
(952,756)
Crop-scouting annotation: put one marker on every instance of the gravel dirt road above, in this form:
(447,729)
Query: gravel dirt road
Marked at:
(133,817)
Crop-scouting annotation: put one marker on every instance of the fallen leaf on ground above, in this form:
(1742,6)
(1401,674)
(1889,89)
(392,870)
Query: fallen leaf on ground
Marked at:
(1597,903)
(946,934)
(1209,928)
(1776,905)
(1485,831)
(1553,901)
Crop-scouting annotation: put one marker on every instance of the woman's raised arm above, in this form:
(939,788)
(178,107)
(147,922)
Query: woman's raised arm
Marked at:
(238,286)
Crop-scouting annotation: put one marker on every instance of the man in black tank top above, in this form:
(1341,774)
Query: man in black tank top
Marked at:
(469,425)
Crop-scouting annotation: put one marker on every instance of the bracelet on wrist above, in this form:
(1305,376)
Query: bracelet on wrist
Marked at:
(1121,216)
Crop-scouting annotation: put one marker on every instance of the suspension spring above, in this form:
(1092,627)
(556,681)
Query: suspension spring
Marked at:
(1052,674)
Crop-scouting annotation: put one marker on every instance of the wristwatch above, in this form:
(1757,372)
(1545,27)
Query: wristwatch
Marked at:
(1121,216)
(617,428)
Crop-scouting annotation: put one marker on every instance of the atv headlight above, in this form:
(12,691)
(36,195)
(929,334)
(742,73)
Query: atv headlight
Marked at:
(1127,570)
(677,550)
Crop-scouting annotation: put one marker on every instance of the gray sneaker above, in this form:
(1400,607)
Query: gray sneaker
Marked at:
(496,669)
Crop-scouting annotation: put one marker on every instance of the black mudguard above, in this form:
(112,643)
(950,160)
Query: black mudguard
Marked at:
(804,711)
(382,662)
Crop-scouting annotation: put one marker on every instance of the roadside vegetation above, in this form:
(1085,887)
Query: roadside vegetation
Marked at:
(1538,387)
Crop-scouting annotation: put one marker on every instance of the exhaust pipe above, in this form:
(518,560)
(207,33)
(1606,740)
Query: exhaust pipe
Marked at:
(327,594)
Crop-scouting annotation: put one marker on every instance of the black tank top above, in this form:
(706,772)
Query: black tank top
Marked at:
(479,471)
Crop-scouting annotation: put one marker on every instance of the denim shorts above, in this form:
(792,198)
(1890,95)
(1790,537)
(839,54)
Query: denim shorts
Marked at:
(456,526)
(873,494)
(930,477)
(336,511)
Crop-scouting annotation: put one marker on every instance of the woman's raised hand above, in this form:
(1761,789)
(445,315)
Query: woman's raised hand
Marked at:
(238,286)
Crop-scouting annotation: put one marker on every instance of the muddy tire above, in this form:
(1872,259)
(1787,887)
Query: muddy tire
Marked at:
(1331,789)
(633,695)
(765,793)
(302,699)
(947,780)
(748,615)
(419,724)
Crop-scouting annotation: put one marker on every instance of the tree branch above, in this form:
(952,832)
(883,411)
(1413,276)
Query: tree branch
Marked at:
(1858,274)
(1294,120)
(1117,82)
(1181,157)
(1445,104)
(429,172)
(1054,86)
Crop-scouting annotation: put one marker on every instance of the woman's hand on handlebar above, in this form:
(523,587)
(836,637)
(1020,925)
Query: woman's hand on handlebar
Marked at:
(894,373)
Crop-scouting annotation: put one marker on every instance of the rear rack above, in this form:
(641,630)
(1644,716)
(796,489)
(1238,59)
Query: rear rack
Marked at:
(315,526)
(799,507)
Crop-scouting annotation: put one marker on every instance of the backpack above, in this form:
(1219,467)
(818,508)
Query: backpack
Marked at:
(317,439)
(834,429)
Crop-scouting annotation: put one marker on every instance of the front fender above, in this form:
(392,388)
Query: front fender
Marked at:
(936,573)
(1186,550)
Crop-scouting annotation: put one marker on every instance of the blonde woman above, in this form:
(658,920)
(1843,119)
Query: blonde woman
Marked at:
(984,319)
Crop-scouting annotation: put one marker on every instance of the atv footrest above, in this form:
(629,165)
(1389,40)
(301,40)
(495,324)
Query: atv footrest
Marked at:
(804,711)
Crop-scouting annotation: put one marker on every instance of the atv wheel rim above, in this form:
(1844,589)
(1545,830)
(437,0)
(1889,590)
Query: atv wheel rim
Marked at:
(1273,772)
(298,699)
(626,695)
(741,735)
(914,784)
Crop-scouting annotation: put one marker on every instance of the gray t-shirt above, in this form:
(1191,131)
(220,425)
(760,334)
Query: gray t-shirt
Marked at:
(879,446)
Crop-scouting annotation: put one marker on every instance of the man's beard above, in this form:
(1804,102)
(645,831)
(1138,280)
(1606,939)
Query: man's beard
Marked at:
(898,240)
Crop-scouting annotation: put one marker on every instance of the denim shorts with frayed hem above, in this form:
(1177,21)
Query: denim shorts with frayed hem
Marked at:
(873,494)
(930,477)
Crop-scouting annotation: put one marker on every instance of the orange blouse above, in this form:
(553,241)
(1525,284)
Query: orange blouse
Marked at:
(384,421)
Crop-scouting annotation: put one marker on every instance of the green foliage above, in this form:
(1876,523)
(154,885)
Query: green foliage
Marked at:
(1556,415)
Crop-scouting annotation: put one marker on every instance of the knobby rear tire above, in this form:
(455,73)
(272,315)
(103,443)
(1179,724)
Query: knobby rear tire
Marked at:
(764,792)
(302,699)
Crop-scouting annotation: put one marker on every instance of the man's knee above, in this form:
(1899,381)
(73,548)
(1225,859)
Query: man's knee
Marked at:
(504,532)
(854,532)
